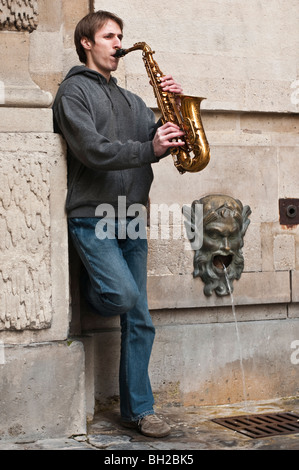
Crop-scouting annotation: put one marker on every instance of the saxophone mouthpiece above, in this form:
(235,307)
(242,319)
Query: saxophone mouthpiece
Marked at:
(120,53)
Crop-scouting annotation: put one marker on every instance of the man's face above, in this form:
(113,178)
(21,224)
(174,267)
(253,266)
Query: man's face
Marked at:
(100,54)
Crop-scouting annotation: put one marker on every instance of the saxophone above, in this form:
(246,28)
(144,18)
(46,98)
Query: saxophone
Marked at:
(195,154)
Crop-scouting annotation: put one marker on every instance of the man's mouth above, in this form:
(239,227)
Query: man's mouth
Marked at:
(221,261)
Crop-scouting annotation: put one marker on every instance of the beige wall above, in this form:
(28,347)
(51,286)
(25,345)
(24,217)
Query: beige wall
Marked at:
(37,354)
(52,51)
(240,55)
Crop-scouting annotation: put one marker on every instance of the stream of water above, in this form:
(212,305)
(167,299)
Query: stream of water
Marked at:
(238,336)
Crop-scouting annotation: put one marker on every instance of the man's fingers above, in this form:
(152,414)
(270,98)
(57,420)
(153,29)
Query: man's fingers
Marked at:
(169,127)
(168,134)
(169,84)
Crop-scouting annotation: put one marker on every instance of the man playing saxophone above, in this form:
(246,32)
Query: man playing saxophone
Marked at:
(112,141)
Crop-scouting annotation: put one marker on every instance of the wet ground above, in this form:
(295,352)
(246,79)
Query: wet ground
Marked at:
(192,429)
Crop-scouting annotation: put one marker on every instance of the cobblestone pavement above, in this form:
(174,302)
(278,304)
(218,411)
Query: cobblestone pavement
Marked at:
(192,429)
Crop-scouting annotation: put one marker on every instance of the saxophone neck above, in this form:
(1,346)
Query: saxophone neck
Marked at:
(138,46)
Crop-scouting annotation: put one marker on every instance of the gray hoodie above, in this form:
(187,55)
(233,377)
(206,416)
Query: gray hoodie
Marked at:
(109,133)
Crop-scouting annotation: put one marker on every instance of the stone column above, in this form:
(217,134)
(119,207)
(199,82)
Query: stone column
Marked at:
(17,20)
(42,390)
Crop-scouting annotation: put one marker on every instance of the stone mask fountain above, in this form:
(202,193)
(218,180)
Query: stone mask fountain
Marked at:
(224,224)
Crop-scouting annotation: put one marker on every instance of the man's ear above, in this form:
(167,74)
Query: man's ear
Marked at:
(86,43)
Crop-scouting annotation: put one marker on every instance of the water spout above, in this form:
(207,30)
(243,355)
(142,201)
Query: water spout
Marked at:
(220,260)
(237,333)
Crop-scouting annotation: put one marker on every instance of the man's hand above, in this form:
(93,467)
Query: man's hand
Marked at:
(164,136)
(168,134)
(168,83)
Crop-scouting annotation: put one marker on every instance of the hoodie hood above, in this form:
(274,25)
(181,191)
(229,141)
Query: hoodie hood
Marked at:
(94,75)
(82,69)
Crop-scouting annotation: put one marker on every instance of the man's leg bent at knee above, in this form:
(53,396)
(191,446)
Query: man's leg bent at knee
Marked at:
(107,282)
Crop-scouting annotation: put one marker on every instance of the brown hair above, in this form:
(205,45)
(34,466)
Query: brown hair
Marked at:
(89,25)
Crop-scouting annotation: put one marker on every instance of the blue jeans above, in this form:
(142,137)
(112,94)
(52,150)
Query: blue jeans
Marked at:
(116,285)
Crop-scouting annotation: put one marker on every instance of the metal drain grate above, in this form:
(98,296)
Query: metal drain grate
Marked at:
(262,425)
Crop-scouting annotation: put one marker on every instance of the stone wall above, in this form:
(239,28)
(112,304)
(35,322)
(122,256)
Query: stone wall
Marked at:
(242,57)
(42,370)
(196,355)
(52,51)
(36,399)
(239,55)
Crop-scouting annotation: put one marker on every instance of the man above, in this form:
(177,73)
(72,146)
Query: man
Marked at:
(112,140)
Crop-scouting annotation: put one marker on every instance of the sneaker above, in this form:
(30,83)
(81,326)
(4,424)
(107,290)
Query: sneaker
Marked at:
(150,426)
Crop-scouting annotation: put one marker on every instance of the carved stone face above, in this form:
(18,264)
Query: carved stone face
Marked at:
(220,261)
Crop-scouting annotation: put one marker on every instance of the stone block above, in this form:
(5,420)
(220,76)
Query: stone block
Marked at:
(106,370)
(42,391)
(269,96)
(284,252)
(297,252)
(196,363)
(70,59)
(48,81)
(49,15)
(252,249)
(200,364)
(295,286)
(288,167)
(34,245)
(221,56)
(225,174)
(169,257)
(269,123)
(221,314)
(19,90)
(90,364)
(293,310)
(252,289)
(43,52)
(168,318)
(220,122)
(26,120)
(73,11)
